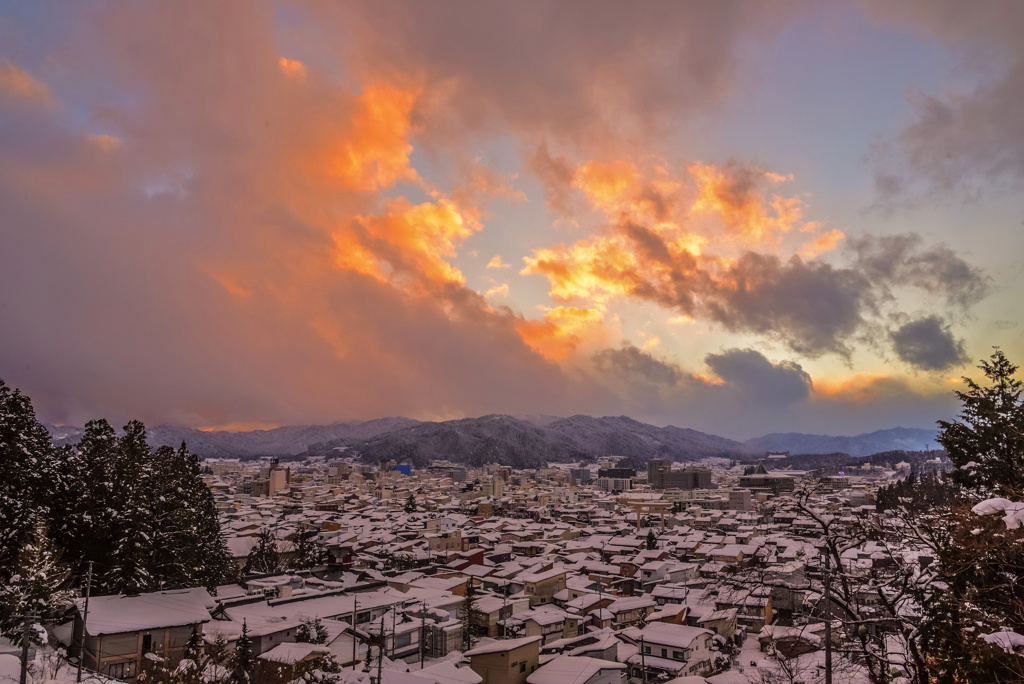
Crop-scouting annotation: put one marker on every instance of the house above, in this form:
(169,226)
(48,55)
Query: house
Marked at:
(446,672)
(121,630)
(491,611)
(578,670)
(721,622)
(672,650)
(754,606)
(542,586)
(287,658)
(509,661)
(631,610)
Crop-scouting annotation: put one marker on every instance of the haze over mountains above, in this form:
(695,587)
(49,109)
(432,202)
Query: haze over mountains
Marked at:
(523,441)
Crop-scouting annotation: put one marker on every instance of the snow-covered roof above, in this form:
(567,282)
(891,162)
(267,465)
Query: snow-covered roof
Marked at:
(289,653)
(565,668)
(116,614)
(498,646)
(671,635)
(445,672)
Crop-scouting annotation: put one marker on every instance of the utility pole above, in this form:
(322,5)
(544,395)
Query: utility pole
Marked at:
(643,659)
(828,619)
(85,617)
(26,629)
(380,651)
(355,605)
(423,630)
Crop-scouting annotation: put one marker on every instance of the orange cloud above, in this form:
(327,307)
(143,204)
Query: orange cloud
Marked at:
(594,269)
(230,284)
(375,152)
(609,186)
(406,244)
(736,196)
(240,427)
(105,143)
(497,291)
(18,84)
(292,68)
(867,388)
(822,243)
(561,332)
(496,262)
(619,189)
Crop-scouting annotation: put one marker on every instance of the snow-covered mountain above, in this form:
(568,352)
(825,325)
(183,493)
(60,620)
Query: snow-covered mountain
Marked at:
(893,439)
(518,441)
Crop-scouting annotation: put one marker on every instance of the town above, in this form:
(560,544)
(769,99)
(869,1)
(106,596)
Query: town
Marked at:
(709,572)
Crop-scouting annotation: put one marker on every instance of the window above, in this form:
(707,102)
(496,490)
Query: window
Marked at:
(522,666)
(147,643)
(664,653)
(679,655)
(647,649)
(121,670)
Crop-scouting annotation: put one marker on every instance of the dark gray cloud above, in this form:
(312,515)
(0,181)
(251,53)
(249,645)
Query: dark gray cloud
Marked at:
(813,307)
(959,143)
(895,260)
(556,174)
(635,364)
(927,344)
(576,70)
(757,380)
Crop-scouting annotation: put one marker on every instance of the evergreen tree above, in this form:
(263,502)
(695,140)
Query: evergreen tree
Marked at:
(264,557)
(190,549)
(311,632)
(310,552)
(980,563)
(30,476)
(322,670)
(470,617)
(652,541)
(128,568)
(410,504)
(194,646)
(243,662)
(90,532)
(987,444)
(39,585)
(216,653)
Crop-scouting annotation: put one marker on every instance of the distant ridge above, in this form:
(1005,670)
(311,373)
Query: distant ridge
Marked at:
(521,443)
(518,441)
(866,444)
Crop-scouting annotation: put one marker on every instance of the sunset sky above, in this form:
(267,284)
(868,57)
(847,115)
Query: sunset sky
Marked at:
(737,217)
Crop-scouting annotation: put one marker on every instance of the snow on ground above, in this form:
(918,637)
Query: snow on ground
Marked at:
(48,667)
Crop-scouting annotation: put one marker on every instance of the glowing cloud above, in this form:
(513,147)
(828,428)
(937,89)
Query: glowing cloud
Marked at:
(375,152)
(292,68)
(497,291)
(17,84)
(562,331)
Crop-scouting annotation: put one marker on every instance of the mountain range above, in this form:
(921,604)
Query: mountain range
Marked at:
(866,444)
(518,441)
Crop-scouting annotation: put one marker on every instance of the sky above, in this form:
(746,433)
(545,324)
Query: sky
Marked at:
(739,217)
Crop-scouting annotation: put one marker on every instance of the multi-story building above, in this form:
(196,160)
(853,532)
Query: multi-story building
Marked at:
(542,586)
(660,475)
(509,661)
